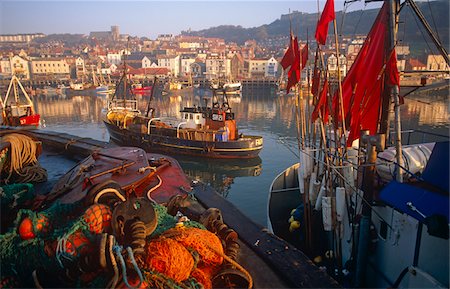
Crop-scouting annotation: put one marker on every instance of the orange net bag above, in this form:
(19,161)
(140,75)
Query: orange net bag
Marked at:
(202,241)
(98,218)
(170,258)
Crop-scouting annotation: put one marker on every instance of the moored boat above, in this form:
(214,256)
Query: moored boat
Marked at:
(139,88)
(17,107)
(209,131)
(120,215)
(355,203)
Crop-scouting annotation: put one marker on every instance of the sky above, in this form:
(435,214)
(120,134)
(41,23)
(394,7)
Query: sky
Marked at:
(147,18)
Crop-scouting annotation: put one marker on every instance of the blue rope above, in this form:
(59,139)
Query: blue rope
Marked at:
(117,250)
(135,266)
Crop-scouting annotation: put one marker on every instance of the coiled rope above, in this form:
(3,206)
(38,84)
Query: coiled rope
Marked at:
(23,154)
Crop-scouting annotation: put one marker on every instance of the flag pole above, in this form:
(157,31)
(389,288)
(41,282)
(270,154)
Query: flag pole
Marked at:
(341,104)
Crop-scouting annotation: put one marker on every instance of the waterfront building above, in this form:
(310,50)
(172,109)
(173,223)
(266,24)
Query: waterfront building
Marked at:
(185,68)
(170,62)
(436,62)
(15,65)
(80,68)
(217,67)
(50,68)
(271,67)
(198,68)
(237,66)
(257,68)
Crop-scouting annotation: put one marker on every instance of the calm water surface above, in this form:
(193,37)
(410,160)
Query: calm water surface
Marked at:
(258,112)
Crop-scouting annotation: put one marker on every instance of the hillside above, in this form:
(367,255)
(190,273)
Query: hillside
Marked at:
(355,22)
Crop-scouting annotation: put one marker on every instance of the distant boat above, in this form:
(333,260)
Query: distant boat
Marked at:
(139,88)
(17,107)
(232,87)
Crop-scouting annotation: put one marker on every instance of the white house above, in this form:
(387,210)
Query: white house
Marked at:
(15,65)
(170,62)
(271,67)
(257,67)
(186,65)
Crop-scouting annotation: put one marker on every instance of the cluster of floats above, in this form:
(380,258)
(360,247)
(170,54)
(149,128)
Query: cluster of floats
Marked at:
(127,216)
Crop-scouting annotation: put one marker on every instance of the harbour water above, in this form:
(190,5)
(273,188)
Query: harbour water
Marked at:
(245,183)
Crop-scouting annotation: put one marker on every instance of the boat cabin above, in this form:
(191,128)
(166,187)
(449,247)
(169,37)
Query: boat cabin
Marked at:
(193,118)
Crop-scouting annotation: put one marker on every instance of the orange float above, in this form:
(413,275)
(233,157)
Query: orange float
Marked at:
(98,218)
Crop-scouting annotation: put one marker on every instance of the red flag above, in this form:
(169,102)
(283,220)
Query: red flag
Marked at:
(322,26)
(393,74)
(322,104)
(289,56)
(304,55)
(294,71)
(316,75)
(362,87)
(392,70)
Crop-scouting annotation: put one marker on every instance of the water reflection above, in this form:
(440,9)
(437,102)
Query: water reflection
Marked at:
(220,174)
(258,112)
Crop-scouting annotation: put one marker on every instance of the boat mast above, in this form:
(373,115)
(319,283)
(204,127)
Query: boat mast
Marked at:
(394,8)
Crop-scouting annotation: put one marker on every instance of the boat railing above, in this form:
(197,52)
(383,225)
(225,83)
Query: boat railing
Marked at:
(412,136)
(150,122)
(178,128)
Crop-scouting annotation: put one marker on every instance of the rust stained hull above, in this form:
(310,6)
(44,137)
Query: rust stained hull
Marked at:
(242,149)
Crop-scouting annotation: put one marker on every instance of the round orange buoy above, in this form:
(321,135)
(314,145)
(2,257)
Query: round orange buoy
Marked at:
(77,243)
(26,229)
(98,217)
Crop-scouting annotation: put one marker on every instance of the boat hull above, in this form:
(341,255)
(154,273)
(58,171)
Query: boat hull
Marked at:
(248,147)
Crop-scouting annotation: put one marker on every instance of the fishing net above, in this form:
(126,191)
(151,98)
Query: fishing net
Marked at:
(205,243)
(167,221)
(43,239)
(170,258)
(178,254)
(15,195)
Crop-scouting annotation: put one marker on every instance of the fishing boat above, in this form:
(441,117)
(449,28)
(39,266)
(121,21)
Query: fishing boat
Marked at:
(208,131)
(373,214)
(122,217)
(137,88)
(17,107)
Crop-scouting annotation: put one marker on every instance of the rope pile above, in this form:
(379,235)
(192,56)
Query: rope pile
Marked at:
(23,161)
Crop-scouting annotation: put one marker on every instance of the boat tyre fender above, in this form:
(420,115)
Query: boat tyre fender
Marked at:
(107,193)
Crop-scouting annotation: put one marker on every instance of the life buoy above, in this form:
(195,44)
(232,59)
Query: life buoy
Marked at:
(108,193)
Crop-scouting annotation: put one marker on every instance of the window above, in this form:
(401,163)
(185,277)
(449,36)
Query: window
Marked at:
(191,116)
(198,117)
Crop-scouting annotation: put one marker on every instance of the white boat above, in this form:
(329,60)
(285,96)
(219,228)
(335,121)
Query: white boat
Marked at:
(373,217)
(232,87)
